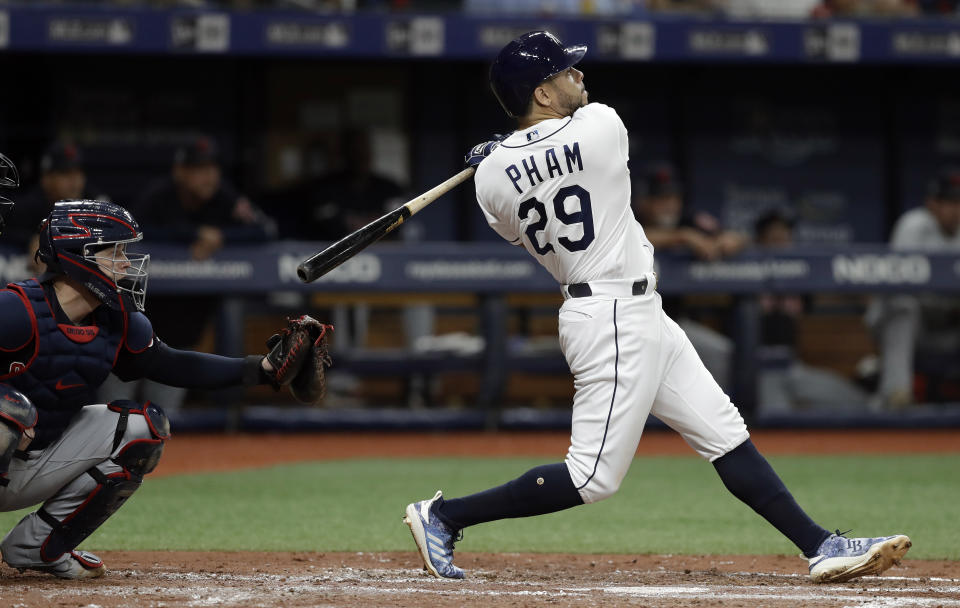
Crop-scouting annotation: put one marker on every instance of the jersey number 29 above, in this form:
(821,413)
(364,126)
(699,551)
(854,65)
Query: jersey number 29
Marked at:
(584,217)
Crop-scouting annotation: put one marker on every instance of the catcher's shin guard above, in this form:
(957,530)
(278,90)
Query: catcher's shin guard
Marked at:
(17,416)
(109,495)
(137,458)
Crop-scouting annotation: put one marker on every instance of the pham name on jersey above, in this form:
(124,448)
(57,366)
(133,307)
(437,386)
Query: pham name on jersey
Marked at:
(550,163)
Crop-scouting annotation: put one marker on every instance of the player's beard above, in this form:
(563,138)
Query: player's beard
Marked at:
(571,103)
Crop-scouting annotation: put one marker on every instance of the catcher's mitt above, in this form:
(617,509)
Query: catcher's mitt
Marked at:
(292,347)
(310,383)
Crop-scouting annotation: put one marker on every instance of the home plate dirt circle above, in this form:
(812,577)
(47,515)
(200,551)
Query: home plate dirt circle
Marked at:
(272,580)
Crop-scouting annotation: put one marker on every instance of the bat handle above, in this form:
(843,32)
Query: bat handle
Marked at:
(439,190)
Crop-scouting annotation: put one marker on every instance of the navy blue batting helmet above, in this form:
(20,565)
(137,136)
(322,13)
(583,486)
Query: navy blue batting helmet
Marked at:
(526,62)
(86,240)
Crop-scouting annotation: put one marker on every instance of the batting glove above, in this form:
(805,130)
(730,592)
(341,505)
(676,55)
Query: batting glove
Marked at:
(481,151)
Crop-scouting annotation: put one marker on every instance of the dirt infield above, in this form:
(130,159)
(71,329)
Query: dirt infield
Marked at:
(272,580)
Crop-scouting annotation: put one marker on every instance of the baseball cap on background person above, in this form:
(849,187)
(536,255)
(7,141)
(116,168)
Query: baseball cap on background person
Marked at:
(61,157)
(774,227)
(196,172)
(946,186)
(202,150)
(657,179)
(62,174)
(656,196)
(61,177)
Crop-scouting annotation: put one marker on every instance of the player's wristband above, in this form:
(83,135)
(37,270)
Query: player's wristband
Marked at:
(253,372)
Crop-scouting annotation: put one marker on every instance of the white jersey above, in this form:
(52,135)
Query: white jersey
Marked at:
(919,229)
(559,185)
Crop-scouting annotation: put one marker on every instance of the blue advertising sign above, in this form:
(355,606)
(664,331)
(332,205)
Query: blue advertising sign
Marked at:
(642,37)
(496,267)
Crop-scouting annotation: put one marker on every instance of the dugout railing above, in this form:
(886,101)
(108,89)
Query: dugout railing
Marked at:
(490,280)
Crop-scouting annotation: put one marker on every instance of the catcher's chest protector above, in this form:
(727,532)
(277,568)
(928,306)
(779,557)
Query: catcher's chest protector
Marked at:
(62,366)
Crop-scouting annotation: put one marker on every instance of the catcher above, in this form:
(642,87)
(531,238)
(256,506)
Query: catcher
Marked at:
(60,335)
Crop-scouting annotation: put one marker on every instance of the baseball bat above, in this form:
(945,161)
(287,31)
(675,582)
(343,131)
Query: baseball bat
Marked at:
(324,261)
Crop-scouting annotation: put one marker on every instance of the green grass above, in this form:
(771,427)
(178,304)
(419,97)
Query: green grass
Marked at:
(666,505)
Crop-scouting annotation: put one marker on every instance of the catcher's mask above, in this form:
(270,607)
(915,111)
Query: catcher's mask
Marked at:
(87,241)
(9,178)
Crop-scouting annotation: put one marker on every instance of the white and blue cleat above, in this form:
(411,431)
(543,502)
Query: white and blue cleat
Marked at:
(841,559)
(433,537)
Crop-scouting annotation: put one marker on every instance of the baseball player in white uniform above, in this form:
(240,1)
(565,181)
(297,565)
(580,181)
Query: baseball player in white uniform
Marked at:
(559,186)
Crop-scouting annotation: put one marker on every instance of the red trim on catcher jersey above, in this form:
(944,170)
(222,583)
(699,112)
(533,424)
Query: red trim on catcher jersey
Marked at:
(34,335)
(14,289)
(123,309)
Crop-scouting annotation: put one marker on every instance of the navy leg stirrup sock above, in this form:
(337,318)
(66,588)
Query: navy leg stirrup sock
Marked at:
(540,490)
(750,478)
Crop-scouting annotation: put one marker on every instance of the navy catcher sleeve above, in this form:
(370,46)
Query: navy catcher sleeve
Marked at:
(188,369)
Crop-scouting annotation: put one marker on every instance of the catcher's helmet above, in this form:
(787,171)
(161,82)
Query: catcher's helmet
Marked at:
(526,62)
(86,240)
(8,179)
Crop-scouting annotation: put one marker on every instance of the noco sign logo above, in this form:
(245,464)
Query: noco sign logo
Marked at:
(885,269)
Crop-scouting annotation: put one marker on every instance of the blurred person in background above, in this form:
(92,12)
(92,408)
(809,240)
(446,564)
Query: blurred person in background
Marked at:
(549,8)
(62,177)
(927,325)
(685,6)
(938,7)
(342,201)
(787,383)
(864,8)
(770,9)
(658,205)
(345,200)
(350,197)
(196,207)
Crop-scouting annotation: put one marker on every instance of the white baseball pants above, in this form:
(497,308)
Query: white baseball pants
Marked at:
(629,360)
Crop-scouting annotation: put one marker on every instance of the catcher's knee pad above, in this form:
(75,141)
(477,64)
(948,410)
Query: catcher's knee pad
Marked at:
(136,458)
(17,416)
(140,454)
